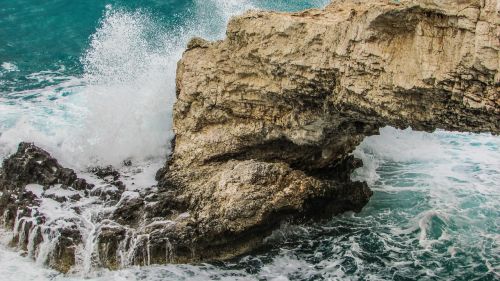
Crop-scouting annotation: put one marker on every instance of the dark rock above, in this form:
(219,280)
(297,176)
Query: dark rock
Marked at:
(107,192)
(109,239)
(107,173)
(32,165)
(129,211)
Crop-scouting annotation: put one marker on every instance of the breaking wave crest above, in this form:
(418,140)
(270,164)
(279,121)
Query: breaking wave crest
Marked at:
(123,99)
(434,213)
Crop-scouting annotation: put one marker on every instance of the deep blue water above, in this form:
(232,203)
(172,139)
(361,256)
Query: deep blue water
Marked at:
(78,77)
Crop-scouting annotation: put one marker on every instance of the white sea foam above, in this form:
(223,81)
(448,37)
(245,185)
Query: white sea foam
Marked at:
(432,190)
(36,189)
(9,66)
(457,182)
(447,194)
(121,107)
(59,191)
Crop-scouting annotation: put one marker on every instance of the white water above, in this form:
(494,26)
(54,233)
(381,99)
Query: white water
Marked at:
(8,66)
(436,199)
(442,181)
(124,99)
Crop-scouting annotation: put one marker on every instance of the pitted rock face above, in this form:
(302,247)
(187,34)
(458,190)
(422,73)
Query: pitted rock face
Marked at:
(322,80)
(265,120)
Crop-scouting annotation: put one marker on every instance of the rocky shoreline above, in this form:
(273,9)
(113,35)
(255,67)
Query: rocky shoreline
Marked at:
(265,123)
(72,225)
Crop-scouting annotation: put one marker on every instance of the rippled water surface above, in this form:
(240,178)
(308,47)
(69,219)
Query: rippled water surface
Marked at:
(78,77)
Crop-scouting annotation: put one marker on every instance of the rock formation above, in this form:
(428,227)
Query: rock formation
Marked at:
(266,119)
(23,179)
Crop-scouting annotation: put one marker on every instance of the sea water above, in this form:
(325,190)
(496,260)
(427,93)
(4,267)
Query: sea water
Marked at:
(78,77)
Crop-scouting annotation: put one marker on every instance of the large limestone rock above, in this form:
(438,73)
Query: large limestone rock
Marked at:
(265,122)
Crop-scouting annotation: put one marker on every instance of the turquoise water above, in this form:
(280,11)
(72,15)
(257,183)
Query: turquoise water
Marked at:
(78,77)
(52,35)
(68,65)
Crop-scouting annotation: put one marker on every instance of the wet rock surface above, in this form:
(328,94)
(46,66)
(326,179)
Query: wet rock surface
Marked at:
(31,164)
(27,177)
(265,122)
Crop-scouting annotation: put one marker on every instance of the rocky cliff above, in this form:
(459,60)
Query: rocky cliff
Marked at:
(266,119)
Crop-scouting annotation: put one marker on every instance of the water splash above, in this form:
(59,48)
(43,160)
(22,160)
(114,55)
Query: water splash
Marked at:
(434,212)
(124,98)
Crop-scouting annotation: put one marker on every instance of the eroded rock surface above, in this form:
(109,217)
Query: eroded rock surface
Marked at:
(265,122)
(25,176)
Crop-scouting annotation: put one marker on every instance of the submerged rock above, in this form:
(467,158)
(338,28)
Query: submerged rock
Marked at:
(265,124)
